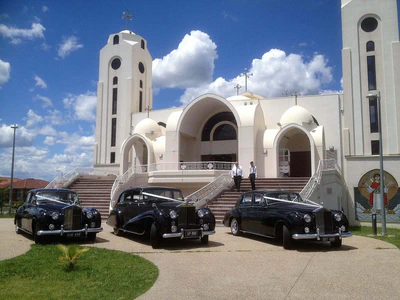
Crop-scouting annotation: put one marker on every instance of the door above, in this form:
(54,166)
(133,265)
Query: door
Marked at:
(300,164)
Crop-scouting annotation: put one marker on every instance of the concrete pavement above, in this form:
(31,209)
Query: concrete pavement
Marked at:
(251,267)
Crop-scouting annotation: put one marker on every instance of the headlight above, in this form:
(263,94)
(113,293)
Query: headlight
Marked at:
(55,216)
(51,226)
(307,218)
(174,228)
(200,213)
(343,228)
(206,227)
(338,217)
(306,230)
(93,224)
(89,214)
(173,215)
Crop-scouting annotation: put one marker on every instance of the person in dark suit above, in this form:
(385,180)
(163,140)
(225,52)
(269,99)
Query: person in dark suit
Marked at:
(253,175)
(237,175)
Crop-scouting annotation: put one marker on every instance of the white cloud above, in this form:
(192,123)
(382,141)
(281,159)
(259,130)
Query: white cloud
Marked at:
(190,65)
(23,137)
(273,74)
(33,119)
(45,8)
(47,130)
(83,106)
(40,82)
(55,117)
(46,101)
(5,70)
(69,44)
(49,140)
(17,35)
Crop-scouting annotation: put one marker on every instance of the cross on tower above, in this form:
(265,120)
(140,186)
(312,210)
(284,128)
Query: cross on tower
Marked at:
(148,111)
(246,75)
(237,87)
(295,97)
(126,15)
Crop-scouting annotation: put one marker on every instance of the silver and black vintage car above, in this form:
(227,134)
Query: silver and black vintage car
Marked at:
(285,216)
(161,213)
(56,212)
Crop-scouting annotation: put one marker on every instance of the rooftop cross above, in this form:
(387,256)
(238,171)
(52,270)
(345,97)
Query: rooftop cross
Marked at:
(295,97)
(246,75)
(237,87)
(148,111)
(126,15)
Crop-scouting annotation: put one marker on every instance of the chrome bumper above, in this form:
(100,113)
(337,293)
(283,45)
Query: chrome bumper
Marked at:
(182,236)
(63,231)
(318,236)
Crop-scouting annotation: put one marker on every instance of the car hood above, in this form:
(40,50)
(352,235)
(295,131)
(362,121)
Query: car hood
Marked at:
(53,206)
(299,207)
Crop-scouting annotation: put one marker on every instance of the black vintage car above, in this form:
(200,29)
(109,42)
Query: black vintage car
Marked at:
(56,212)
(286,216)
(161,213)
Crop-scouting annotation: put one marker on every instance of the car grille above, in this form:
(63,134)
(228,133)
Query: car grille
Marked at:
(72,218)
(187,216)
(324,221)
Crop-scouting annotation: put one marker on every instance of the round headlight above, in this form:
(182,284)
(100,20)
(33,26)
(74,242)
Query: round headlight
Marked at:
(338,217)
(174,228)
(55,216)
(307,218)
(173,214)
(89,214)
(93,224)
(343,228)
(200,213)
(51,226)
(206,227)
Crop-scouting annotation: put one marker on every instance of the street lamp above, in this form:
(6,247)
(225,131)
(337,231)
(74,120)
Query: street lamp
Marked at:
(382,183)
(15,126)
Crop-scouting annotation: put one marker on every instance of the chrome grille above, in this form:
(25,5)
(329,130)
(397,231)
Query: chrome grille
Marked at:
(324,221)
(72,218)
(187,216)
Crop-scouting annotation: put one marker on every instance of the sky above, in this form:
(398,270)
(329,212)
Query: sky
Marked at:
(49,64)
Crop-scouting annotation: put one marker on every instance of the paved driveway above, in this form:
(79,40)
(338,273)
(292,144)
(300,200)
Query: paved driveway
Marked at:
(253,268)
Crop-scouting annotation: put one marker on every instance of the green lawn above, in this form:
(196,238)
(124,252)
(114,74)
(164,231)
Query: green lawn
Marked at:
(98,274)
(392,236)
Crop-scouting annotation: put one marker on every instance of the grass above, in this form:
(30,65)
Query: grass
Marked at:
(99,274)
(392,234)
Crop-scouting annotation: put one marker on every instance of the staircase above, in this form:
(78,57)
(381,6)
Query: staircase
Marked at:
(94,191)
(227,200)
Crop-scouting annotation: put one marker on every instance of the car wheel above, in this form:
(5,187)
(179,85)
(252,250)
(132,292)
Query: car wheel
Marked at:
(117,231)
(287,238)
(204,240)
(235,227)
(37,238)
(91,236)
(154,237)
(337,242)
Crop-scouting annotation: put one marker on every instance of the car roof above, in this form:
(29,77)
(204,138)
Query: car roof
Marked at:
(154,187)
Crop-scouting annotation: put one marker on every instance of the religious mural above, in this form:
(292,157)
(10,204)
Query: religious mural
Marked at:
(368,197)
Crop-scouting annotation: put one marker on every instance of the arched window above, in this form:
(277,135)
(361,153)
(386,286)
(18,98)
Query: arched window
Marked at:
(115,80)
(370,46)
(142,43)
(141,84)
(214,120)
(225,132)
(116,39)
(371,72)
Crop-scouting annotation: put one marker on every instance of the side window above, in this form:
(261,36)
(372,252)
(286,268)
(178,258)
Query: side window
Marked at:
(246,200)
(283,196)
(258,199)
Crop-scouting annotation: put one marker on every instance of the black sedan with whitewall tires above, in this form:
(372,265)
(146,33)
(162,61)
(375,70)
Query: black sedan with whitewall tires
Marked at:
(285,216)
(161,213)
(56,212)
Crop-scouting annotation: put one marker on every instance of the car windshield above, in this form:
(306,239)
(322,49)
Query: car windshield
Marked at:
(57,196)
(174,194)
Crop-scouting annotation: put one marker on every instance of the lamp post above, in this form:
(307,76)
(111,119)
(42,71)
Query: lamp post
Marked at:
(382,181)
(12,170)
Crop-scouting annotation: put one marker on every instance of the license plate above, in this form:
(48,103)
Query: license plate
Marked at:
(192,233)
(73,234)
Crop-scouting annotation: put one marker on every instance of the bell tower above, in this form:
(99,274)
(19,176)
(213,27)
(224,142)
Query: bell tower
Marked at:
(371,66)
(124,88)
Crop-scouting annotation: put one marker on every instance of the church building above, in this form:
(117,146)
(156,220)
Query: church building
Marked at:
(335,140)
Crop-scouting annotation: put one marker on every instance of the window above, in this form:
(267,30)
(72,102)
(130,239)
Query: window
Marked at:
(370,46)
(114,101)
(375,147)
(225,132)
(113,131)
(162,124)
(112,158)
(20,194)
(141,67)
(116,40)
(116,63)
(373,115)
(141,84)
(140,101)
(258,199)
(142,44)
(246,200)
(369,24)
(115,80)
(214,120)
(371,73)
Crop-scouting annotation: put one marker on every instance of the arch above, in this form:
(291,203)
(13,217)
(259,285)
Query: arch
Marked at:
(288,132)
(142,44)
(134,141)
(115,80)
(218,125)
(116,40)
(370,46)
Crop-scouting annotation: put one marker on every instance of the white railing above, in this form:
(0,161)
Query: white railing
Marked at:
(68,178)
(211,190)
(323,165)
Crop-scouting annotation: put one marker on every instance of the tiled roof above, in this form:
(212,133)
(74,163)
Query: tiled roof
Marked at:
(29,183)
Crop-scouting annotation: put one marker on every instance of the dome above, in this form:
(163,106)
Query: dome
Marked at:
(127,31)
(149,128)
(298,115)
(238,97)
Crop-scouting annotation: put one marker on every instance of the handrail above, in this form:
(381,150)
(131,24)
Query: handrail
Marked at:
(323,165)
(211,190)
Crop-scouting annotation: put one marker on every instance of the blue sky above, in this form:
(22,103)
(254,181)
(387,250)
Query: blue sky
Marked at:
(49,54)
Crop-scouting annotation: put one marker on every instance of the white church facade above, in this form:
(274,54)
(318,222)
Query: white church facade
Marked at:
(193,145)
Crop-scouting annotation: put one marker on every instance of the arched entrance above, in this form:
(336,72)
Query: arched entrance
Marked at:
(294,150)
(135,151)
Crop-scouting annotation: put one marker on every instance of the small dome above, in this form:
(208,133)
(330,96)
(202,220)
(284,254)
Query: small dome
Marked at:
(237,97)
(298,115)
(149,128)
(127,31)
